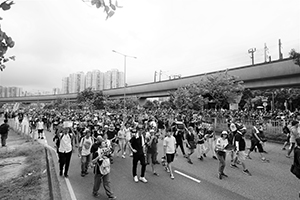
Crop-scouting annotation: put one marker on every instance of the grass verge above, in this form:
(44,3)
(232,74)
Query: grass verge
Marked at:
(31,183)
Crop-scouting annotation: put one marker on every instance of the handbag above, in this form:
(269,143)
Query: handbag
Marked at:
(295,170)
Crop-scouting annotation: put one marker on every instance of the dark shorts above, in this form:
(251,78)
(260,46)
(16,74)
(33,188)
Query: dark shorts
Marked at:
(151,158)
(40,130)
(170,157)
(258,145)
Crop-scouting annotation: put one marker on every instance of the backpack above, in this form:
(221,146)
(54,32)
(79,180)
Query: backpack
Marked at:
(3,129)
(58,138)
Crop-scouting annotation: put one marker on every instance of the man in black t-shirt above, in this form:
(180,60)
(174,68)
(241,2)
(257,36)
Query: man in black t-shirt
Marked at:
(240,153)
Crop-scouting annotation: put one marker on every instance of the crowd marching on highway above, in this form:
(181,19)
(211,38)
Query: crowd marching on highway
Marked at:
(99,136)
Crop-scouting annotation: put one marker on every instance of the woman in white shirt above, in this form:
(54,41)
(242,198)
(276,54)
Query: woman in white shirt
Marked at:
(221,143)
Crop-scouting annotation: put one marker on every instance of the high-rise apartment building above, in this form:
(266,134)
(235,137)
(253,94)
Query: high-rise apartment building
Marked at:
(95,79)
(101,81)
(88,80)
(10,91)
(81,80)
(107,80)
(65,85)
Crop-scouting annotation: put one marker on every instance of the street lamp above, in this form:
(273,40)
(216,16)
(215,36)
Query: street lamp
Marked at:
(125,56)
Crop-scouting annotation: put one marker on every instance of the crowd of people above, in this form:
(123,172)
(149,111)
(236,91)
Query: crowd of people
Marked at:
(101,135)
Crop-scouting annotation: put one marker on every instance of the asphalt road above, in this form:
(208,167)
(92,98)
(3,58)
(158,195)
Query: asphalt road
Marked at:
(271,180)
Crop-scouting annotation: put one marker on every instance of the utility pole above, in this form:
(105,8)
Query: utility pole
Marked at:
(160,73)
(280,54)
(266,52)
(251,51)
(155,73)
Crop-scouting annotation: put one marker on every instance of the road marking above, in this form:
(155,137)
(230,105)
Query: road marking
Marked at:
(187,176)
(71,191)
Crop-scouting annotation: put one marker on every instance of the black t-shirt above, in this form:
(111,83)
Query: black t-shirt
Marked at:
(242,144)
(111,134)
(136,143)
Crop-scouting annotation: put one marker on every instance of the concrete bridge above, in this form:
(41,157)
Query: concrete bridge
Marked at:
(280,73)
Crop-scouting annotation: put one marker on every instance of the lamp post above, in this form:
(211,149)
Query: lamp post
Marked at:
(125,57)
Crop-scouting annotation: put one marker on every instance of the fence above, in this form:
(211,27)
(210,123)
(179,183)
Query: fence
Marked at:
(21,128)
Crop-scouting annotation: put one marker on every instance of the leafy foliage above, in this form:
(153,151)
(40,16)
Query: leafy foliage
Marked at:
(220,90)
(5,41)
(109,6)
(91,99)
(295,56)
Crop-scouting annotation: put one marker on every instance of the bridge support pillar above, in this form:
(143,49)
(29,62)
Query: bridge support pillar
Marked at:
(142,101)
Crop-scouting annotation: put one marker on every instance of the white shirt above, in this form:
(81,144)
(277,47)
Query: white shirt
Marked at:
(170,143)
(40,125)
(221,142)
(65,145)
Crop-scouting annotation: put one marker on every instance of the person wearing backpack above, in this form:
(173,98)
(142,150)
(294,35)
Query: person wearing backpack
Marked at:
(64,148)
(84,152)
(101,163)
(4,128)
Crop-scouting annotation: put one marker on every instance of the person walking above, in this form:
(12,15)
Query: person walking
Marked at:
(4,128)
(65,150)
(169,145)
(240,153)
(294,134)
(221,143)
(137,146)
(101,163)
(40,129)
(84,152)
(152,150)
(190,142)
(257,141)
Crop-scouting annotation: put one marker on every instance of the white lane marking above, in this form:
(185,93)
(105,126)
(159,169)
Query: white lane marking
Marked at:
(71,191)
(187,176)
(69,186)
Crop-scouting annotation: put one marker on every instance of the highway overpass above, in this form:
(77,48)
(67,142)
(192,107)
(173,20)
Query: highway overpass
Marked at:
(280,73)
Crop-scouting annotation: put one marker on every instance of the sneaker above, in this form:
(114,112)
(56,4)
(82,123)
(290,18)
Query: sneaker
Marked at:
(155,174)
(96,194)
(264,160)
(82,174)
(42,138)
(136,179)
(234,166)
(204,155)
(143,179)
(123,156)
(167,169)
(214,157)
(288,156)
(201,158)
(224,175)
(189,161)
(246,171)
(60,173)
(113,197)
(248,157)
(66,176)
(283,148)
(86,173)
(172,176)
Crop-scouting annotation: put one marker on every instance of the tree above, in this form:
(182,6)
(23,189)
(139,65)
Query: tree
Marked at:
(295,56)
(5,41)
(91,99)
(223,88)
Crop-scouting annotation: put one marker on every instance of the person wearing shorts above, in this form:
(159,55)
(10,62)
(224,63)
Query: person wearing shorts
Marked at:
(169,144)
(240,153)
(256,141)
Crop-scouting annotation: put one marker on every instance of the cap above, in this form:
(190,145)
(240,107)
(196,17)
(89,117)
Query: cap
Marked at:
(224,133)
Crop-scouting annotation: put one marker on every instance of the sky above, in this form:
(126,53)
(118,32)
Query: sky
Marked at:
(54,38)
